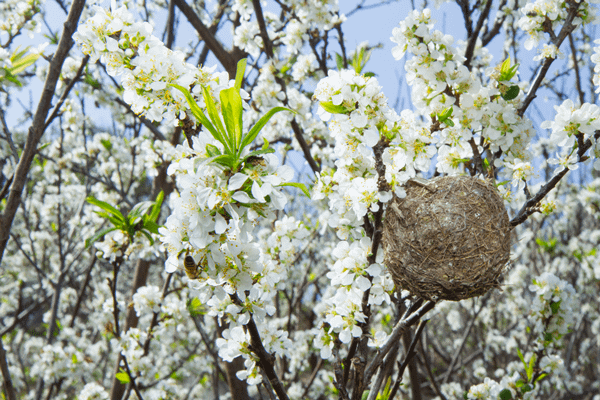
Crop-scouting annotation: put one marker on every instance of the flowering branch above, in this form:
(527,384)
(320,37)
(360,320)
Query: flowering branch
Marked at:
(530,206)
(266,360)
(38,126)
(567,28)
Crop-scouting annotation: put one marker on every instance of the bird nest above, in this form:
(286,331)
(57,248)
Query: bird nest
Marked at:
(448,239)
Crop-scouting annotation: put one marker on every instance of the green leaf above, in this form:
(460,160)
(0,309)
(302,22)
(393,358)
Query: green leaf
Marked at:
(526,388)
(231,108)
(98,235)
(195,307)
(239,73)
(107,144)
(300,186)
(521,358)
(505,66)
(197,112)
(519,383)
(117,223)
(511,93)
(445,114)
(486,165)
(339,62)
(251,135)
(226,160)
(148,236)
(213,114)
(156,207)
(333,109)
(542,376)
(123,377)
(106,207)
(151,226)
(369,74)
(42,147)
(20,60)
(529,368)
(212,150)
(505,394)
(555,306)
(138,210)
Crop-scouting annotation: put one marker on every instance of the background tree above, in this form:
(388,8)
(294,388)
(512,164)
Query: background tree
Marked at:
(243,283)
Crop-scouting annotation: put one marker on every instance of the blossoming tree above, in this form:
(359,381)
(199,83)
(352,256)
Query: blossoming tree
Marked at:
(174,249)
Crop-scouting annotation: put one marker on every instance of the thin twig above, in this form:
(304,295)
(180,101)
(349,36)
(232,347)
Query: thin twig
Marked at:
(400,327)
(37,127)
(567,28)
(410,353)
(434,384)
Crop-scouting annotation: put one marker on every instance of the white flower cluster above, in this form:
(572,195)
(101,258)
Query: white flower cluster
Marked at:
(146,65)
(362,119)
(553,310)
(436,67)
(569,122)
(309,15)
(596,60)
(444,89)
(93,391)
(490,389)
(16,15)
(543,15)
(213,219)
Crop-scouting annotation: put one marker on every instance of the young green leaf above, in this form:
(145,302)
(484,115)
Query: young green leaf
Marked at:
(505,394)
(251,135)
(106,207)
(300,186)
(123,377)
(529,368)
(98,235)
(197,112)
(339,62)
(511,93)
(505,66)
(239,73)
(215,118)
(333,109)
(231,108)
(148,236)
(138,210)
(212,150)
(156,207)
(151,226)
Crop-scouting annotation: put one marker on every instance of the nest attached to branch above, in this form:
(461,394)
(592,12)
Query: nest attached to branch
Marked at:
(448,239)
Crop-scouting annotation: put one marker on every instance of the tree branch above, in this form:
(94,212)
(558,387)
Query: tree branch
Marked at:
(529,206)
(567,28)
(400,327)
(225,58)
(38,126)
(475,34)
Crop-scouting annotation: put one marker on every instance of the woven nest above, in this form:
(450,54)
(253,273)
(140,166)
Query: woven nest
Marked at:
(448,239)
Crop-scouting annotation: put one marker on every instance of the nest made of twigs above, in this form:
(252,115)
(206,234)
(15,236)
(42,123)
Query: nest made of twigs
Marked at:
(448,239)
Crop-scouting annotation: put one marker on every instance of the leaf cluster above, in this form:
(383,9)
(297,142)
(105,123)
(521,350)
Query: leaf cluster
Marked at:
(136,220)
